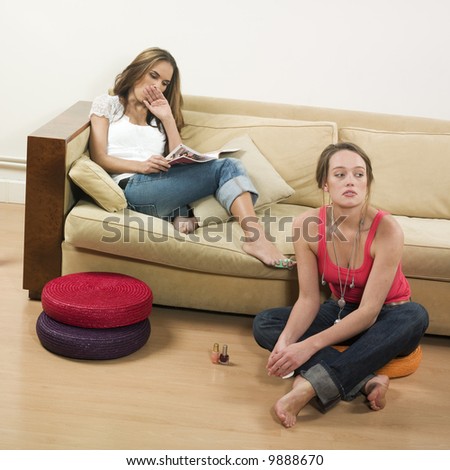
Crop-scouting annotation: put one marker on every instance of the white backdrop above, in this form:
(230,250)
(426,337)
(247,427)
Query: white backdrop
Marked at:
(388,56)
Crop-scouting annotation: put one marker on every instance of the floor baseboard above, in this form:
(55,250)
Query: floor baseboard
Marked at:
(12,191)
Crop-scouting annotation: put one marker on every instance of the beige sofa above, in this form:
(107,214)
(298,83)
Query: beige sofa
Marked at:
(67,231)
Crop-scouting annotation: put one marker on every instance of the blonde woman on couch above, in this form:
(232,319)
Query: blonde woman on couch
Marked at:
(132,130)
(357,250)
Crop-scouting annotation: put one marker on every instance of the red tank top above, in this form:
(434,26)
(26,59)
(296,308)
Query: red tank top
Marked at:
(400,289)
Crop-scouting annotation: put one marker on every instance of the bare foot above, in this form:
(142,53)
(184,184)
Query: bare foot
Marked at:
(267,252)
(375,390)
(256,243)
(185,224)
(289,406)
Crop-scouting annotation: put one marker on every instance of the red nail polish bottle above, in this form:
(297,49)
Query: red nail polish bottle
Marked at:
(224,359)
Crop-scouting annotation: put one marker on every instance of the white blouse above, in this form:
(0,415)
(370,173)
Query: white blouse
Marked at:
(126,140)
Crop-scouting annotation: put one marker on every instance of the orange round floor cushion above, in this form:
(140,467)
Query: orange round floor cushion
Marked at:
(400,366)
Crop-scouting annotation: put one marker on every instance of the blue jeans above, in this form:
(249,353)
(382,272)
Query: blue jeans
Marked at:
(338,375)
(168,194)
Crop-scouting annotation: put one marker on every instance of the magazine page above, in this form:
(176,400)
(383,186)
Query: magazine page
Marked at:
(184,154)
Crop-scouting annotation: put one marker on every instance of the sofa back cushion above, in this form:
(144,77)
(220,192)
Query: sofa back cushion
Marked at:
(261,172)
(291,146)
(409,170)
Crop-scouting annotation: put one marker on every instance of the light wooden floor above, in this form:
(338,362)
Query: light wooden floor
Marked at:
(169,396)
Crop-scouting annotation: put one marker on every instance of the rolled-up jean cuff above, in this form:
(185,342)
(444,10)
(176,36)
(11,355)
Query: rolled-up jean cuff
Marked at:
(358,388)
(233,188)
(327,392)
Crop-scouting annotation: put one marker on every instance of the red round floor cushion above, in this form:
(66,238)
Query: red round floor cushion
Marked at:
(91,343)
(97,300)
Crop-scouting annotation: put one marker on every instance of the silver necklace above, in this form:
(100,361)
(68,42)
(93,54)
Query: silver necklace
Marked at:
(341,302)
(343,288)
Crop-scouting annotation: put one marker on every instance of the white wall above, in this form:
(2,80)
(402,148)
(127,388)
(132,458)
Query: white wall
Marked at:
(386,56)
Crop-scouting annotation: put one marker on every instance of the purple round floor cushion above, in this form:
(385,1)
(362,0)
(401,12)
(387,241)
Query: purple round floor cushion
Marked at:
(91,343)
(97,300)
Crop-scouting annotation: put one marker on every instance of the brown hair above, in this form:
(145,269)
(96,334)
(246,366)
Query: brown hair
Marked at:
(324,162)
(141,65)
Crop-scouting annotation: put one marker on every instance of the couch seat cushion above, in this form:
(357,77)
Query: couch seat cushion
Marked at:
(215,248)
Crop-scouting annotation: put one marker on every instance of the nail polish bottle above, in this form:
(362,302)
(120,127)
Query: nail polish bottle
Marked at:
(215,355)
(224,359)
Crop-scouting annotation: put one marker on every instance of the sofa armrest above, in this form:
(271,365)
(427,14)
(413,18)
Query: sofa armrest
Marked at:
(49,194)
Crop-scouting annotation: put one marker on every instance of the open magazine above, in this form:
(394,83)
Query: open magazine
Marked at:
(183,154)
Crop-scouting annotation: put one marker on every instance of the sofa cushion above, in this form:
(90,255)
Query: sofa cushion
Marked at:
(426,251)
(97,184)
(408,170)
(211,249)
(270,185)
(291,146)
(218,248)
